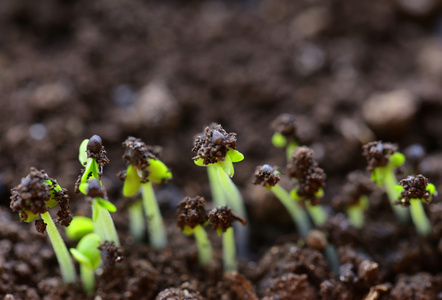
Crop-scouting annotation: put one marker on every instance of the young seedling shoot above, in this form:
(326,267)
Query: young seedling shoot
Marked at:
(92,155)
(285,133)
(416,190)
(144,169)
(310,180)
(269,177)
(32,198)
(354,197)
(192,217)
(88,256)
(216,150)
(222,219)
(79,227)
(382,159)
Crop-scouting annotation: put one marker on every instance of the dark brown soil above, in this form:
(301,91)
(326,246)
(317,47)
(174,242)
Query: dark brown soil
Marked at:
(350,71)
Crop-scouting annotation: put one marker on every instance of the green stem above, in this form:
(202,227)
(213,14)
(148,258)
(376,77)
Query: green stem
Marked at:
(136,220)
(419,218)
(87,278)
(106,228)
(204,246)
(317,212)
(157,232)
(61,252)
(333,258)
(217,193)
(355,216)
(298,215)
(229,251)
(390,183)
(289,149)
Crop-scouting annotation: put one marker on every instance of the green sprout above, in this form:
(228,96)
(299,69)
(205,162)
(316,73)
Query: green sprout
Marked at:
(88,256)
(192,217)
(269,177)
(144,169)
(222,220)
(136,219)
(216,150)
(354,197)
(32,198)
(285,133)
(414,191)
(382,159)
(79,227)
(93,156)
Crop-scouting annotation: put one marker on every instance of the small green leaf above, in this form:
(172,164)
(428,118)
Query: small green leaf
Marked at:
(319,194)
(398,189)
(158,171)
(106,204)
(83,187)
(187,230)
(219,231)
(79,227)
(80,257)
(226,166)
(235,155)
(294,195)
(278,140)
(397,159)
(377,175)
(132,183)
(30,216)
(431,188)
(82,152)
(199,162)
(88,248)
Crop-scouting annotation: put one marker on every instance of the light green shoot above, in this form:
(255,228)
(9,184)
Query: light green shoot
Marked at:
(229,252)
(136,220)
(79,227)
(356,212)
(158,173)
(202,242)
(88,256)
(316,212)
(280,141)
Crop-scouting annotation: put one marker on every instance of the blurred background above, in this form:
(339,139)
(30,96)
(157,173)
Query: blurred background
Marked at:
(350,71)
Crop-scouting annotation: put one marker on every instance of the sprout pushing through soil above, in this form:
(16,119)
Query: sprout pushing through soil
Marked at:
(79,227)
(146,168)
(222,220)
(192,216)
(88,256)
(31,198)
(354,197)
(416,190)
(285,133)
(382,159)
(93,156)
(216,150)
(269,177)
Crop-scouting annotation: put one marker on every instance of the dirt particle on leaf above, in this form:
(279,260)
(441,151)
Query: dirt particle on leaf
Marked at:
(377,154)
(95,150)
(266,175)
(192,212)
(285,124)
(40,226)
(223,217)
(414,188)
(110,254)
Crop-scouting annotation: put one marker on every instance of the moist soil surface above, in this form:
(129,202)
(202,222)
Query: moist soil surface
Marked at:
(350,71)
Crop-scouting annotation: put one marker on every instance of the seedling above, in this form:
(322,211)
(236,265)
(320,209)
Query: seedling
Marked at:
(93,156)
(285,133)
(382,159)
(310,181)
(414,191)
(216,150)
(88,256)
(354,197)
(32,198)
(192,217)
(79,227)
(268,177)
(222,219)
(146,168)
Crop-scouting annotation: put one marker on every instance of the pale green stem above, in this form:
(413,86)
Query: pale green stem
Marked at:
(98,225)
(61,252)
(235,201)
(298,215)
(333,258)
(136,220)
(355,216)
(155,225)
(419,218)
(87,278)
(289,149)
(106,224)
(390,183)
(317,212)
(203,244)
(229,251)
(217,193)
